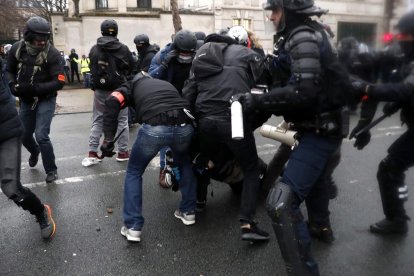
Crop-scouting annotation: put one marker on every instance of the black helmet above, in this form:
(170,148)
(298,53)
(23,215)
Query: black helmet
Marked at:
(297,5)
(272,4)
(200,35)
(141,39)
(406,23)
(109,28)
(185,40)
(36,26)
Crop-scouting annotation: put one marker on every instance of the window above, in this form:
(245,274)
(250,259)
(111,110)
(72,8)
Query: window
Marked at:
(101,4)
(246,23)
(363,32)
(144,4)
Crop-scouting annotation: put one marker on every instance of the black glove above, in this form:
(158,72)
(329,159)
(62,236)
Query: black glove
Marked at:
(107,148)
(362,140)
(359,87)
(391,108)
(170,55)
(249,101)
(25,88)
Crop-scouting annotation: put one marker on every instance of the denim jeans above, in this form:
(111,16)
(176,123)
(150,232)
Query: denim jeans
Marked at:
(150,140)
(86,80)
(38,121)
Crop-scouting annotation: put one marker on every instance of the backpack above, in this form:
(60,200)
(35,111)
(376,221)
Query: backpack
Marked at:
(209,59)
(104,71)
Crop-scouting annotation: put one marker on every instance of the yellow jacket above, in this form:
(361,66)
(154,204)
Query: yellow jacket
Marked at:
(84,64)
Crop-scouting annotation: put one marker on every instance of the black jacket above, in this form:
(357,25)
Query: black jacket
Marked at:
(123,57)
(10,125)
(148,96)
(145,57)
(46,81)
(210,94)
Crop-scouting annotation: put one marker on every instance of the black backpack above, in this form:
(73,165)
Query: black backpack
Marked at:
(104,71)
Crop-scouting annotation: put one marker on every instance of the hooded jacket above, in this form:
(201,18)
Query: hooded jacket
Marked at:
(123,57)
(145,57)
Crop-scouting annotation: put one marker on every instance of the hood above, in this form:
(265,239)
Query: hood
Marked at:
(153,48)
(109,42)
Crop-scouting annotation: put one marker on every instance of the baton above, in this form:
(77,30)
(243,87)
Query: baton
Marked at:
(116,139)
(372,124)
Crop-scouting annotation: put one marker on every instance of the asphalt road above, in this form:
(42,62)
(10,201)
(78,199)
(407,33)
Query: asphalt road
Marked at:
(88,240)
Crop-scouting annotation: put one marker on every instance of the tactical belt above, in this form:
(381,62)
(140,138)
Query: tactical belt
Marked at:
(175,117)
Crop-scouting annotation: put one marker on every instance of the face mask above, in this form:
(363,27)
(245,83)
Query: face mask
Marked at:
(185,58)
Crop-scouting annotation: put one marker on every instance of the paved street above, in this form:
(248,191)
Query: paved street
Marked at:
(88,241)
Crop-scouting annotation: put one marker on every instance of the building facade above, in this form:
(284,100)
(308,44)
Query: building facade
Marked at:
(367,20)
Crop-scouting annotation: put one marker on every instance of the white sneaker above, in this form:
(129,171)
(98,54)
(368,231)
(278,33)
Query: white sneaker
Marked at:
(89,161)
(131,234)
(187,218)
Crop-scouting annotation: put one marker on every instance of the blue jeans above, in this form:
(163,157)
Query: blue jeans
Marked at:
(38,121)
(150,140)
(86,80)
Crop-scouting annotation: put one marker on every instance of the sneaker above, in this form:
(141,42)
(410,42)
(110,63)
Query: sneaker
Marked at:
(46,222)
(253,233)
(122,156)
(200,206)
(387,226)
(131,234)
(33,159)
(51,176)
(324,234)
(187,218)
(161,180)
(92,159)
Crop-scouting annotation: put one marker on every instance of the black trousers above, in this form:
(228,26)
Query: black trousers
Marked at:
(10,159)
(215,133)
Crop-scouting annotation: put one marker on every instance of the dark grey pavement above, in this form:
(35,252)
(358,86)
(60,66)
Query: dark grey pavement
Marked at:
(88,240)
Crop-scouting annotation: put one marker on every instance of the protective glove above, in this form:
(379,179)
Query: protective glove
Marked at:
(391,108)
(170,55)
(360,88)
(249,101)
(107,149)
(362,140)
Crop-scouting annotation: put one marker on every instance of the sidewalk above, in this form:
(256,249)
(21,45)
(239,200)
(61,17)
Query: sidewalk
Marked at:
(74,100)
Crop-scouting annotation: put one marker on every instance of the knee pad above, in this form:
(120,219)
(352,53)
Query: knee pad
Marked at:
(280,201)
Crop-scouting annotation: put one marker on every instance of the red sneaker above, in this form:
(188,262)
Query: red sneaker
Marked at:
(122,156)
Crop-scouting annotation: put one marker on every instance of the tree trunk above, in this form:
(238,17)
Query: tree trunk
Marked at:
(175,16)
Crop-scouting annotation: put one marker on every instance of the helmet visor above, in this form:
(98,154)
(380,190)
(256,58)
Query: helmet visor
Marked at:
(275,19)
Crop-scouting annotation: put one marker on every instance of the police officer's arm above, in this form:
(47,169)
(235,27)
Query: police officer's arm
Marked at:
(303,88)
(56,71)
(117,100)
(393,92)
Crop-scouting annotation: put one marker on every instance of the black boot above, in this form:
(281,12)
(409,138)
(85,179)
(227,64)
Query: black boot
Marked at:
(322,233)
(387,226)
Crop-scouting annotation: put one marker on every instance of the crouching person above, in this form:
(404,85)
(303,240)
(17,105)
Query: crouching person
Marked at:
(162,112)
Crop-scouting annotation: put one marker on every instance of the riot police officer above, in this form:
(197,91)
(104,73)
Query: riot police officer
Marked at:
(304,101)
(391,170)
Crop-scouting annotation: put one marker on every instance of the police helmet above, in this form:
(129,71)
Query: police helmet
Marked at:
(185,40)
(36,27)
(109,27)
(273,4)
(406,23)
(141,39)
(239,34)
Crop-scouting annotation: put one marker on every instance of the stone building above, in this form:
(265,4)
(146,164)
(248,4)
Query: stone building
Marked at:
(368,20)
